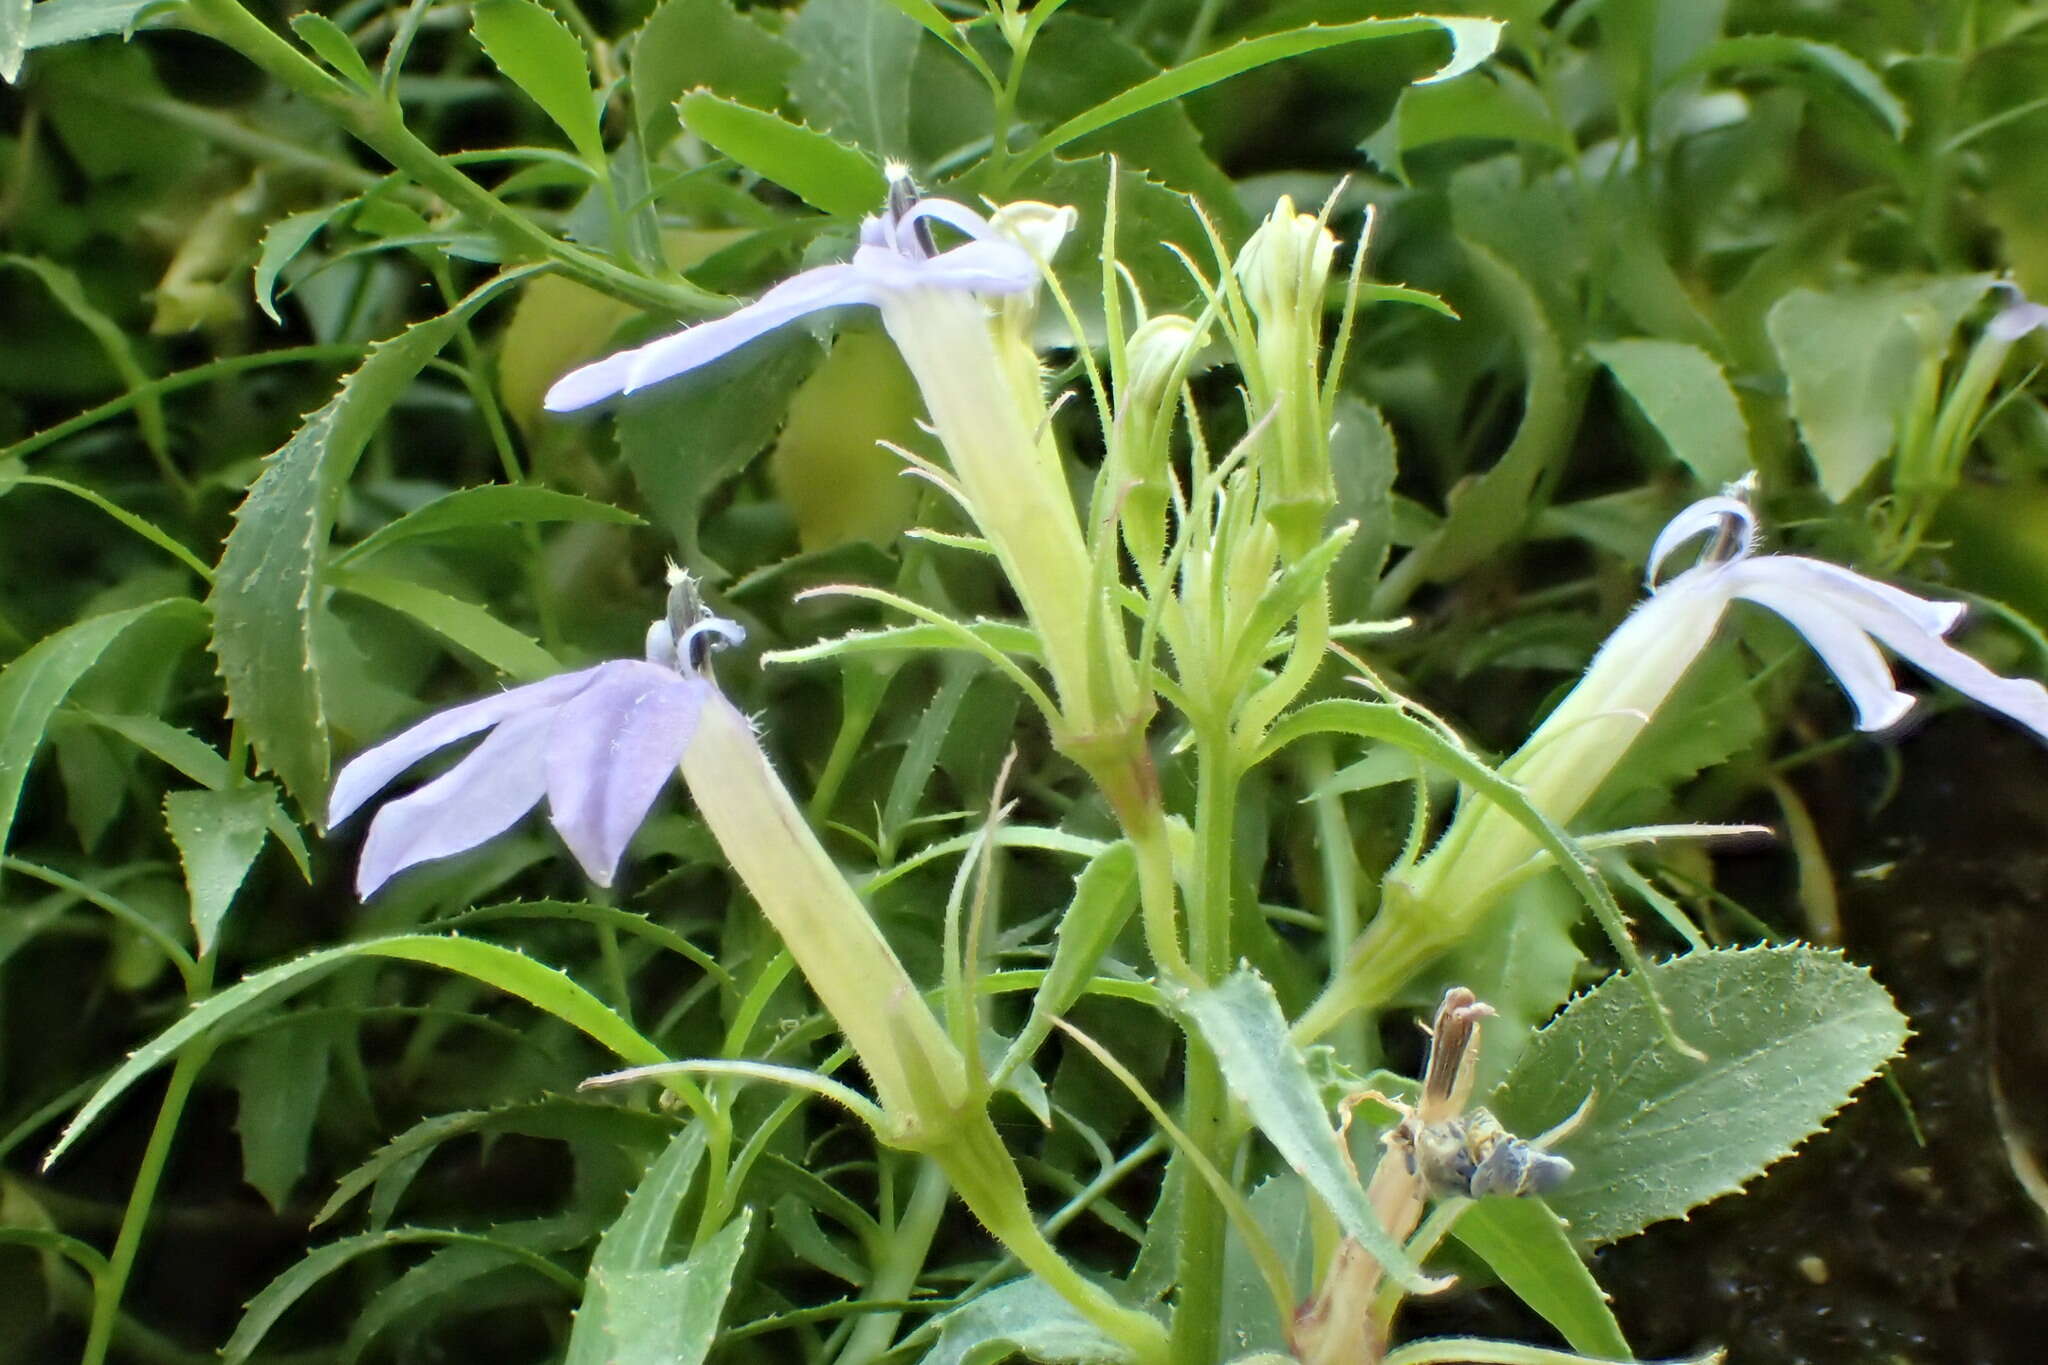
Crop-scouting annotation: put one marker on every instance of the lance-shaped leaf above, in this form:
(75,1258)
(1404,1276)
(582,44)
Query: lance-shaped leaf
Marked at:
(1242,1023)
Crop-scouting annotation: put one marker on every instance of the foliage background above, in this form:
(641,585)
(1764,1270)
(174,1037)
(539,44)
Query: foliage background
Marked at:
(1684,241)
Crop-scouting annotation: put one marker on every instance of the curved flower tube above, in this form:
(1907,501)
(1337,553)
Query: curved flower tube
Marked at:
(599,744)
(1842,614)
(896,256)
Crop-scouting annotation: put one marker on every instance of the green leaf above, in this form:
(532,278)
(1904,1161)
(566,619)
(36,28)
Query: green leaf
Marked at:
(638,1309)
(325,37)
(1489,511)
(1472,42)
(825,174)
(1852,358)
(487,506)
(391,1167)
(539,54)
(1105,894)
(852,78)
(1081,61)
(463,624)
(33,685)
(218,834)
(1790,1033)
(196,759)
(691,44)
(267,585)
(669,1316)
(685,438)
(69,292)
(1363,460)
(283,240)
(1242,1023)
(1779,49)
(514,973)
(280,1079)
(1023,1317)
(1525,1244)
(1495,105)
(1687,398)
(277,1297)
(52,23)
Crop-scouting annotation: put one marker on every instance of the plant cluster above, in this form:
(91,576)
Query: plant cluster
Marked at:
(1120,653)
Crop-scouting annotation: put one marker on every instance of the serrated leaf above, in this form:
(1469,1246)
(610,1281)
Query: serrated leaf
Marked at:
(1023,1317)
(325,37)
(276,1298)
(639,1310)
(463,624)
(280,1078)
(283,240)
(1851,358)
(488,505)
(1525,1244)
(825,174)
(35,684)
(218,834)
(685,438)
(267,585)
(537,52)
(52,23)
(1686,397)
(852,78)
(196,759)
(391,1166)
(1242,1023)
(514,973)
(1472,42)
(1790,1033)
(688,44)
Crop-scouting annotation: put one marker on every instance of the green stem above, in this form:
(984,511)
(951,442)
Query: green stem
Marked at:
(380,125)
(1198,1311)
(1342,893)
(981,1169)
(106,1302)
(1385,958)
(903,1257)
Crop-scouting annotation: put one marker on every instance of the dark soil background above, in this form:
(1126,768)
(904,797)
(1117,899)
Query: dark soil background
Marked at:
(1868,1246)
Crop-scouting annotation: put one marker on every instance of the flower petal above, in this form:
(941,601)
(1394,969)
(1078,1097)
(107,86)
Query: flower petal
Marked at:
(372,770)
(828,286)
(475,801)
(2017,318)
(1708,515)
(992,267)
(611,752)
(1840,641)
(1823,579)
(2024,699)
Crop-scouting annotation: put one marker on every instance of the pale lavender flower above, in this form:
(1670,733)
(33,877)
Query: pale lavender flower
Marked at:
(598,743)
(1842,614)
(896,257)
(2018,317)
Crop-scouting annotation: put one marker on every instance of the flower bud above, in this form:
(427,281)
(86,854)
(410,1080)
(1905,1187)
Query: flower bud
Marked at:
(1284,271)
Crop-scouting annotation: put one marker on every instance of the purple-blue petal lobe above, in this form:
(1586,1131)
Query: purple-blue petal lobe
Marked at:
(475,801)
(828,286)
(612,750)
(373,769)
